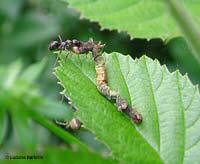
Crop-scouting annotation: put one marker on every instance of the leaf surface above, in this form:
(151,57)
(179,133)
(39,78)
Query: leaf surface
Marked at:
(143,19)
(168,102)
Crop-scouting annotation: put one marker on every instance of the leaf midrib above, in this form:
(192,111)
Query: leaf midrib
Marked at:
(182,113)
(154,101)
(129,97)
(144,139)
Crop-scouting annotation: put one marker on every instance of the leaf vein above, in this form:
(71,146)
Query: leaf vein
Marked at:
(153,96)
(182,113)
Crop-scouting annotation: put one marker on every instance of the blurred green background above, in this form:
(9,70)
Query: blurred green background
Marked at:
(28,26)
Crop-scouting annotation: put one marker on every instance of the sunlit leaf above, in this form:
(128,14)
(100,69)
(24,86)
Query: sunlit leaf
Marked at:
(144,19)
(168,102)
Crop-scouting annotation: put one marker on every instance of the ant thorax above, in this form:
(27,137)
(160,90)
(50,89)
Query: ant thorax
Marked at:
(62,46)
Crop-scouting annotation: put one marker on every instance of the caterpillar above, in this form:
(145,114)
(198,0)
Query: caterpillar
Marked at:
(80,47)
(104,89)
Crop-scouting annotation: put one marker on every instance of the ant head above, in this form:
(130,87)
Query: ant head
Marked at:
(54,45)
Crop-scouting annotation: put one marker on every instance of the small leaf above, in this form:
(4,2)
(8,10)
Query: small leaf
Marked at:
(11,74)
(141,19)
(168,102)
(55,110)
(24,127)
(33,72)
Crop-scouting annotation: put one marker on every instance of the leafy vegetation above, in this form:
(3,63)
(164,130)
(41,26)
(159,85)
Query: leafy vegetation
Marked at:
(144,19)
(30,99)
(21,99)
(167,101)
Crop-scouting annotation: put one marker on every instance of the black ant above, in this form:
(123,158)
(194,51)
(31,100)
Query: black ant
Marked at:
(75,46)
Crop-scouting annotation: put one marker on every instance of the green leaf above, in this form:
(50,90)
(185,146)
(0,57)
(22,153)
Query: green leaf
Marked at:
(3,124)
(24,127)
(182,53)
(11,8)
(32,28)
(168,102)
(187,25)
(143,19)
(55,110)
(19,96)
(67,156)
(11,74)
(34,71)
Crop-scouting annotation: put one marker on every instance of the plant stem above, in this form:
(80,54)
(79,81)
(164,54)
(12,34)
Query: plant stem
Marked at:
(186,24)
(67,137)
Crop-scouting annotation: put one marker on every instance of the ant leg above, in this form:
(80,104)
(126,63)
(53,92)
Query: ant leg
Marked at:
(60,47)
(61,123)
(57,57)
(55,61)
(60,50)
(68,52)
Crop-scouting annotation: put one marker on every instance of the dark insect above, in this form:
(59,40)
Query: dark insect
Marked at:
(75,46)
(74,124)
